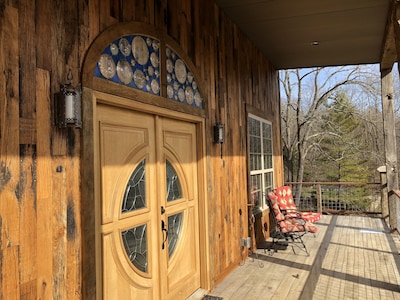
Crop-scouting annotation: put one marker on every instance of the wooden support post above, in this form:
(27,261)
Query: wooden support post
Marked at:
(392,196)
(390,145)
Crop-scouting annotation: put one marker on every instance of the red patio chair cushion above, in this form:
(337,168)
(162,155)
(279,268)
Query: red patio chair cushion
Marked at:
(275,207)
(310,227)
(310,216)
(285,198)
(286,224)
(296,225)
(288,206)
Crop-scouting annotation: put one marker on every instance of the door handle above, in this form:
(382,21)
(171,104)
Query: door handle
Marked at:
(164,229)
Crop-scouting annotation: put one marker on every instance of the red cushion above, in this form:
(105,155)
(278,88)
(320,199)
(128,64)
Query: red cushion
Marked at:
(285,198)
(296,225)
(307,216)
(288,206)
(275,208)
(311,227)
(310,216)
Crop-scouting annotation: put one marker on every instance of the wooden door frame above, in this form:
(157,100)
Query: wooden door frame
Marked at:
(91,238)
(96,90)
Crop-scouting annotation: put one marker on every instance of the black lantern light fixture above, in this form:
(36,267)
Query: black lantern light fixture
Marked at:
(68,105)
(219,135)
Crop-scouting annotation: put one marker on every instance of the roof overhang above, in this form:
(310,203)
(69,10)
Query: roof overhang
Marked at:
(308,33)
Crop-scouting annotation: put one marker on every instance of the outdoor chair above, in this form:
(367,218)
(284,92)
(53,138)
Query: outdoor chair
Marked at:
(288,206)
(291,230)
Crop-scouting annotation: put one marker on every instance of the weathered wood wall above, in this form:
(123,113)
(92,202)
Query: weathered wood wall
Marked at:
(40,193)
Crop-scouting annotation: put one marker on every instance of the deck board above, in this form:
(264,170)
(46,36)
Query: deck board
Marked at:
(352,257)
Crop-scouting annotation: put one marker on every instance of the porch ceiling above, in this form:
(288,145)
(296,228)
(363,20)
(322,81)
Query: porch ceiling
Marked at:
(348,31)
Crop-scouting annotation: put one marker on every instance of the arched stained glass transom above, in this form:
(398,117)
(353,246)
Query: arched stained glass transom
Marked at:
(134,61)
(181,84)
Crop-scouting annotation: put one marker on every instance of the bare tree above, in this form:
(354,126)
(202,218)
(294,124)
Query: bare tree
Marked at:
(304,92)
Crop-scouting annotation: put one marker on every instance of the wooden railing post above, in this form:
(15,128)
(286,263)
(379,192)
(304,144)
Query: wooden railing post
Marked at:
(384,192)
(319,198)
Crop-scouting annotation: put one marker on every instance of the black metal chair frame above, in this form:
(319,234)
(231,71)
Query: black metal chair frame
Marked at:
(294,239)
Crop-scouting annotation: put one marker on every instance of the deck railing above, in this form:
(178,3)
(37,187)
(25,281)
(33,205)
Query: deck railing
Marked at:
(338,197)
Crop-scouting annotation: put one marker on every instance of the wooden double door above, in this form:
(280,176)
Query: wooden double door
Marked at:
(148,215)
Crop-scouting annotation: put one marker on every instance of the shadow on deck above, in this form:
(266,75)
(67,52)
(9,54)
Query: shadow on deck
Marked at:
(352,257)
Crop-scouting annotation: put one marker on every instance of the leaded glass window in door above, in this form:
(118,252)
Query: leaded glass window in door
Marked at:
(135,244)
(135,238)
(174,231)
(135,192)
(174,192)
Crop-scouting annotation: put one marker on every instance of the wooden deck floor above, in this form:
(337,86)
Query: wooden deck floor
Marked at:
(352,257)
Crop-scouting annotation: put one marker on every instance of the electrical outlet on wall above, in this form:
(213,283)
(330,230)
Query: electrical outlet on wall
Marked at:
(246,242)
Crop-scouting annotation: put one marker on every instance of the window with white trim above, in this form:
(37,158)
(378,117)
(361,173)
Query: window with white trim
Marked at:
(260,155)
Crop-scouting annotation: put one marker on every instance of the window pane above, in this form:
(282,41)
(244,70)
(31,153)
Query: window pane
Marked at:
(174,190)
(255,154)
(267,132)
(256,190)
(135,191)
(267,153)
(174,231)
(255,144)
(135,243)
(267,145)
(268,184)
(254,127)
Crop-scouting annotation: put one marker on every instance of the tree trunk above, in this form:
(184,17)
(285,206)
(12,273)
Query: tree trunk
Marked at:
(300,173)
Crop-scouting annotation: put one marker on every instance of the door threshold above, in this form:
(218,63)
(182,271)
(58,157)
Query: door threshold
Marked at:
(197,295)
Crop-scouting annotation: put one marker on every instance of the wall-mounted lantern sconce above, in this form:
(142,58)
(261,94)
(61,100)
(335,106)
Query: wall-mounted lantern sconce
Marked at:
(68,105)
(219,135)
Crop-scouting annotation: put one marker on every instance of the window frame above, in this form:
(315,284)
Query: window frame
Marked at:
(257,194)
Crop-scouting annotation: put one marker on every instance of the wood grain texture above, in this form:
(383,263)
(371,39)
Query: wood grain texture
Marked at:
(390,144)
(10,286)
(43,194)
(44,188)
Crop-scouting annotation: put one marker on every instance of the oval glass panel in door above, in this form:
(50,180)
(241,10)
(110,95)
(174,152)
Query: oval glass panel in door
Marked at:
(135,238)
(135,192)
(135,244)
(174,231)
(174,190)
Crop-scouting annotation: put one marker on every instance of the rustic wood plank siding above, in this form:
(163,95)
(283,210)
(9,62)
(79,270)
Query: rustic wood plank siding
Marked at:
(9,151)
(40,183)
(43,187)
